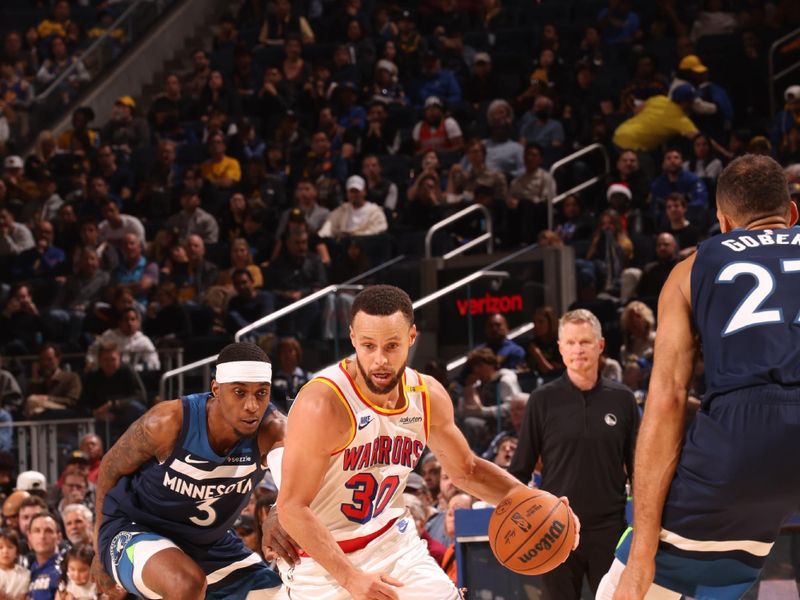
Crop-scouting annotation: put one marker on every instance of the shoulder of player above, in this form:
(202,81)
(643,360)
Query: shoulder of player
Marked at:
(320,408)
(679,282)
(161,425)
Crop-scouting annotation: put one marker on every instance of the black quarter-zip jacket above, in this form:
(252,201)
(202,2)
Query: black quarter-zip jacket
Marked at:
(585,440)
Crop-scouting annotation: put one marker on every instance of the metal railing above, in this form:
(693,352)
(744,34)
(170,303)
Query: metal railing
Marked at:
(774,77)
(581,186)
(106,49)
(38,443)
(512,335)
(169,357)
(487,236)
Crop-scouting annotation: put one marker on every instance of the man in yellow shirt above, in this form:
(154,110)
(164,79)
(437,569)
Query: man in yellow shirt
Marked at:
(660,119)
(220,170)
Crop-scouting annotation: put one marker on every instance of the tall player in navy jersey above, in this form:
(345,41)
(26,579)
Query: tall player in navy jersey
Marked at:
(171,487)
(708,508)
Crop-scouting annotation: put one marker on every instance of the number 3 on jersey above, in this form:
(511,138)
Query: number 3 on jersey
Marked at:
(369,498)
(749,312)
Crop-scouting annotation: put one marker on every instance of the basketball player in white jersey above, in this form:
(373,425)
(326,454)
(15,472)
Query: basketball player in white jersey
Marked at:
(354,434)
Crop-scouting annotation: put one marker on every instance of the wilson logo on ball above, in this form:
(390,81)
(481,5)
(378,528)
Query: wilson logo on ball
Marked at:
(545,542)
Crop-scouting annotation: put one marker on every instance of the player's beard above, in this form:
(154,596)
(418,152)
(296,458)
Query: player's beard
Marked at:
(375,389)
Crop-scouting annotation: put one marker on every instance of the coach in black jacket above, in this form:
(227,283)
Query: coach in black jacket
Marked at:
(583,428)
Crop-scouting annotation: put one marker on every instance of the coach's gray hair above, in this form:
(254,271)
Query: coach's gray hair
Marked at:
(84,510)
(578,316)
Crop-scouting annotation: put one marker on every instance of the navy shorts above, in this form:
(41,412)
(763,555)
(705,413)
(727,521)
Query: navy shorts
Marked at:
(737,481)
(232,570)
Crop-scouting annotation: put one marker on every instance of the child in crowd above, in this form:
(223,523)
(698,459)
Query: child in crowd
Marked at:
(77,582)
(14,579)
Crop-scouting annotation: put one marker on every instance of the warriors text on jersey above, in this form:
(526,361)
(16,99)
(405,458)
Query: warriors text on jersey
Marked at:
(363,487)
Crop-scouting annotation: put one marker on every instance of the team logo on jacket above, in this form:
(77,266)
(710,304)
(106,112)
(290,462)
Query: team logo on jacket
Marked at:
(610,419)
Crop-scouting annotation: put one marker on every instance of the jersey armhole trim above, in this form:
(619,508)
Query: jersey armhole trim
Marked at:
(426,404)
(331,384)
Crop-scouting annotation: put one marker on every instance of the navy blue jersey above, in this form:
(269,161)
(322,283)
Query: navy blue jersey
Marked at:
(746,306)
(195,494)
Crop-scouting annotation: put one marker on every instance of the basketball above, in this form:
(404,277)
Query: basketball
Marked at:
(531,532)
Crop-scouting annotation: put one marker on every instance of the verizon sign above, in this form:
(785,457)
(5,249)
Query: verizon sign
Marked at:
(489,304)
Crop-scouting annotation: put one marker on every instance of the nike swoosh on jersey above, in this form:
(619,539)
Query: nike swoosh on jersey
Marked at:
(192,461)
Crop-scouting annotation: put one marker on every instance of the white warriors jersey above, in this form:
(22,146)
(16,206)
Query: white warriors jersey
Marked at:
(363,487)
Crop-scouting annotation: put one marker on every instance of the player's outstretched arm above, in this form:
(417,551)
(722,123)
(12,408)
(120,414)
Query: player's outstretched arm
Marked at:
(153,435)
(318,426)
(661,432)
(469,472)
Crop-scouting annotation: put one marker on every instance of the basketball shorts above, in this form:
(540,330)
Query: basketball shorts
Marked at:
(232,570)
(737,481)
(399,553)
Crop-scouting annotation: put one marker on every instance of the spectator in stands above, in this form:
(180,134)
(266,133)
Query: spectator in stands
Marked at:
(124,131)
(167,320)
(386,86)
(15,92)
(510,355)
(425,202)
(436,81)
(482,85)
(355,217)
(574,224)
(200,273)
(89,237)
(674,178)
(611,250)
(76,490)
(10,401)
(57,25)
(382,136)
(514,426)
(196,80)
(137,349)
(686,234)
(21,327)
(459,501)
(92,445)
(116,226)
(703,161)
(14,577)
(325,170)
(52,392)
(78,522)
(57,63)
(43,538)
(472,172)
(436,131)
(118,177)
(485,398)
(540,128)
(542,354)
(717,121)
(192,219)
(629,172)
(638,332)
(113,392)
(15,238)
(713,19)
(289,375)
(35,484)
(81,118)
(618,23)
(25,60)
(646,83)
(502,153)
(787,119)
(18,185)
(419,512)
(535,185)
(241,257)
(282,22)
(43,263)
(654,274)
(134,271)
(249,305)
(660,119)
(220,170)
(91,202)
(294,274)
(380,191)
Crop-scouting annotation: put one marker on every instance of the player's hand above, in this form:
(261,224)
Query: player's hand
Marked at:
(635,581)
(575,520)
(374,586)
(275,542)
(104,581)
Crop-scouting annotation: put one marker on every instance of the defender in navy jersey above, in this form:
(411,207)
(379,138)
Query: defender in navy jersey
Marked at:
(708,508)
(171,487)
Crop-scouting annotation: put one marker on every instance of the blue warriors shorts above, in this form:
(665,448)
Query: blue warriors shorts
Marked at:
(737,481)
(232,570)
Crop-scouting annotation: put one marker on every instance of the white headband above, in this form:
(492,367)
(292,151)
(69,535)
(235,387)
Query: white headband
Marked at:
(245,371)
